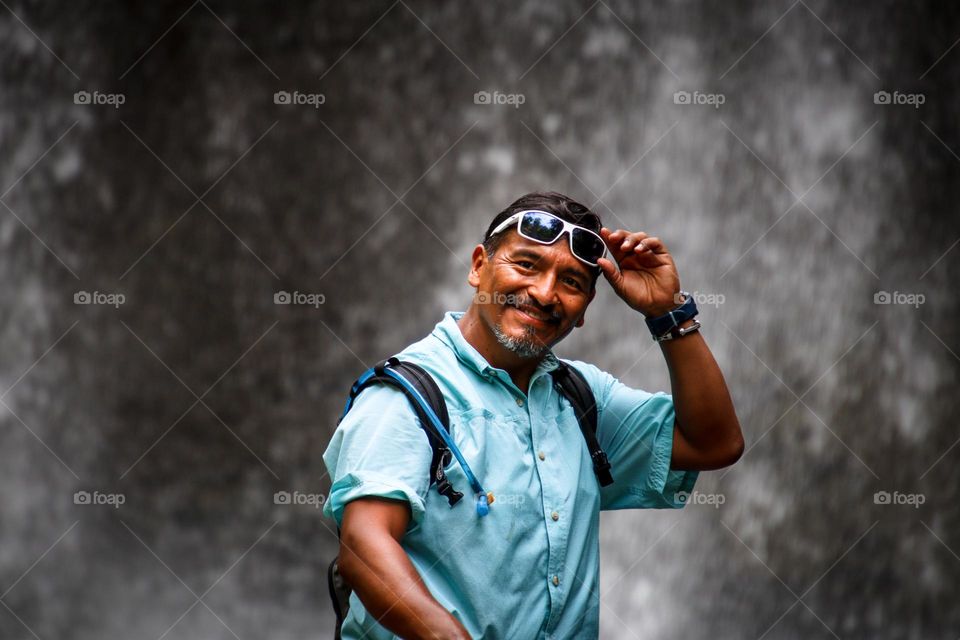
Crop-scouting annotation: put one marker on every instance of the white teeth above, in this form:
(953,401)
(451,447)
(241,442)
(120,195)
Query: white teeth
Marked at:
(532,314)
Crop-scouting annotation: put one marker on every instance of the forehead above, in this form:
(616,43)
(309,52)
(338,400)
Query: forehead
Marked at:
(558,253)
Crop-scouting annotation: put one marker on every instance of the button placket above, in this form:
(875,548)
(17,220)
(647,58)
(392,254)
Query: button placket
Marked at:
(542,420)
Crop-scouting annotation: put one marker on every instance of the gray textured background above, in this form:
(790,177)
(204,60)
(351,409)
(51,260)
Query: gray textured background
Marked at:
(199,198)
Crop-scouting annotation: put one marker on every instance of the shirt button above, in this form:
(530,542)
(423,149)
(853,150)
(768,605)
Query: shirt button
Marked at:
(519,402)
(555,516)
(556,581)
(541,455)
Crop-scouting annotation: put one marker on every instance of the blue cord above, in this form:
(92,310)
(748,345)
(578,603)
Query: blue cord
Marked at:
(483,505)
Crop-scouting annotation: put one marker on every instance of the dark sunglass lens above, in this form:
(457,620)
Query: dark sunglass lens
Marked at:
(587,246)
(542,227)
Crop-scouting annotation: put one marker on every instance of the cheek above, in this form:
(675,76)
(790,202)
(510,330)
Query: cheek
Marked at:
(505,280)
(575,305)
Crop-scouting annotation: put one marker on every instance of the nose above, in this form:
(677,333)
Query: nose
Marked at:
(543,290)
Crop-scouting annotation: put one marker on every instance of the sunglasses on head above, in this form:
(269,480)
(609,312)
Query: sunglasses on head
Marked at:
(546,228)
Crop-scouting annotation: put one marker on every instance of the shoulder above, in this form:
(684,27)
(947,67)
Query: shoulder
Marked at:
(599,380)
(436,358)
(607,387)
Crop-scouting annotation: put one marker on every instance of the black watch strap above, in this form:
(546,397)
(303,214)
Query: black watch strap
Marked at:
(663,324)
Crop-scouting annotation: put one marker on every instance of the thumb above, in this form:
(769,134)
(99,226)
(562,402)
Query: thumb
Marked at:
(611,273)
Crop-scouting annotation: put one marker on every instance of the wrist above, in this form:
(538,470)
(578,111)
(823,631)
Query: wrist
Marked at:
(667,323)
(680,330)
(447,628)
(453,632)
(656,312)
(663,309)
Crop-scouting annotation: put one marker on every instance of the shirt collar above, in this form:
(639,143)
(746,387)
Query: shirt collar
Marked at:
(448,331)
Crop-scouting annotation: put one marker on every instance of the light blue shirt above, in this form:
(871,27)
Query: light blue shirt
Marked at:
(530,568)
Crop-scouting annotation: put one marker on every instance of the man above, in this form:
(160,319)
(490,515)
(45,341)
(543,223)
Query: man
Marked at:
(530,568)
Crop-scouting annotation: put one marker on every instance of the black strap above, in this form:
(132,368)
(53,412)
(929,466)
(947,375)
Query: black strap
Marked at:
(339,594)
(427,387)
(576,389)
(569,382)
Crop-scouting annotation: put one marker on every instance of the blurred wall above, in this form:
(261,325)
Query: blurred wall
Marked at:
(177,165)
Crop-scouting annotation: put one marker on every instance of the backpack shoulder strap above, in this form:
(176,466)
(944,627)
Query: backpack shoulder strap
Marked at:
(432,396)
(575,388)
(427,388)
(339,594)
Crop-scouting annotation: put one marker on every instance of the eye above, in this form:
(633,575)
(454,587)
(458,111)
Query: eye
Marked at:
(525,264)
(573,282)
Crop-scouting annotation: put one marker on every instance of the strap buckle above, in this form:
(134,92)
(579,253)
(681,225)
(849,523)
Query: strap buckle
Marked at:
(600,462)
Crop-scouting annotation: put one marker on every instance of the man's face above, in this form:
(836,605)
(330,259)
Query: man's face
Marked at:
(530,295)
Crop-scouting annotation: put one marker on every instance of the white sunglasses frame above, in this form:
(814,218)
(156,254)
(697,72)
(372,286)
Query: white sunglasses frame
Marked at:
(568,228)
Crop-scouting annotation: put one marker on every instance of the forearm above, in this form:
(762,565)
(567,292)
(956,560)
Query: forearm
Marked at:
(380,572)
(704,411)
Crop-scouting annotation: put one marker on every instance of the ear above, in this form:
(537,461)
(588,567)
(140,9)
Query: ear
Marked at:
(589,300)
(477,261)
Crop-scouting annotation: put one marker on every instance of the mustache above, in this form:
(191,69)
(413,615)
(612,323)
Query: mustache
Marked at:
(554,315)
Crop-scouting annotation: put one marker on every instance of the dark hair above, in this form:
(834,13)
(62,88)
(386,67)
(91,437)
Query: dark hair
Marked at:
(552,202)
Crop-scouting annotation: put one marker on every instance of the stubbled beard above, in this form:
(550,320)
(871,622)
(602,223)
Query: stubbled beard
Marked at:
(526,346)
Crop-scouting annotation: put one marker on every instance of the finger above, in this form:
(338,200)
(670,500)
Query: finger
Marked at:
(610,272)
(605,265)
(650,244)
(632,240)
(612,237)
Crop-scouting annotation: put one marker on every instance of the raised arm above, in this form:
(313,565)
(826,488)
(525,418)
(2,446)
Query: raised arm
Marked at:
(707,433)
(378,569)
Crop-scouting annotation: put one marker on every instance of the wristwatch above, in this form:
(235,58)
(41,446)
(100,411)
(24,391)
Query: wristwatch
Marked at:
(666,327)
(678,332)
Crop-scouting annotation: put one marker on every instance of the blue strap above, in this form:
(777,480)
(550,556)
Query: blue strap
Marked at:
(482,504)
(474,483)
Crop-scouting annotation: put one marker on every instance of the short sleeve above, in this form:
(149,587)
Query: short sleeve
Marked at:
(635,429)
(379,449)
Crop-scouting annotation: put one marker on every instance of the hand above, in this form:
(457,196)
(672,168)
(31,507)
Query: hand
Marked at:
(647,278)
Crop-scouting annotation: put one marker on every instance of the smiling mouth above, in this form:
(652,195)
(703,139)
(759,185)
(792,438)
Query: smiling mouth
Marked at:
(533,316)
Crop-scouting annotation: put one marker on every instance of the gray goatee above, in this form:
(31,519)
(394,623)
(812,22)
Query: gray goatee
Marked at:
(526,346)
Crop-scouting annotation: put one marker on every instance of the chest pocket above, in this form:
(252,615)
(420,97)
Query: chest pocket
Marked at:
(490,443)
